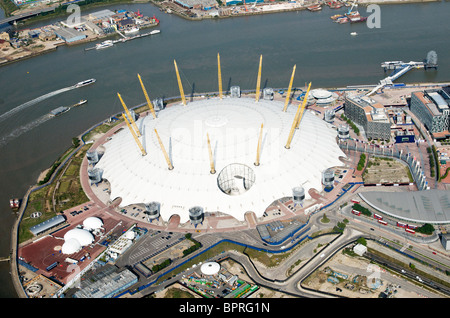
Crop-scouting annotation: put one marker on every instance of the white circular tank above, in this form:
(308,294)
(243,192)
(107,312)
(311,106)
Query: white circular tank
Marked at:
(210,268)
(152,210)
(329,115)
(298,194)
(92,157)
(343,131)
(196,215)
(95,175)
(328,178)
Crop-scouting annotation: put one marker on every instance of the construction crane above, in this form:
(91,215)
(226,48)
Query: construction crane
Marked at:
(258,150)
(297,119)
(288,96)
(166,156)
(211,158)
(258,82)
(219,75)
(134,135)
(133,123)
(183,99)
(149,103)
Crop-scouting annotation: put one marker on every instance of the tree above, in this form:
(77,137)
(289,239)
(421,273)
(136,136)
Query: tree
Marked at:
(362,241)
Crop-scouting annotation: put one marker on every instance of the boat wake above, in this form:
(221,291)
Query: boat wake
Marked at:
(23,129)
(32,102)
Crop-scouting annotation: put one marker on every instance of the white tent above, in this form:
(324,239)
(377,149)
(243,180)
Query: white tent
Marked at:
(233,126)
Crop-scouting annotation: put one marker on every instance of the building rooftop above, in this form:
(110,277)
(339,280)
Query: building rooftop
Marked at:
(233,125)
(429,206)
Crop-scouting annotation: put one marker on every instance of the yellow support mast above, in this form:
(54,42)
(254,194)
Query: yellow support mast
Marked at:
(296,119)
(305,101)
(258,150)
(164,151)
(258,82)
(183,99)
(219,75)
(133,123)
(149,103)
(134,135)
(288,96)
(211,158)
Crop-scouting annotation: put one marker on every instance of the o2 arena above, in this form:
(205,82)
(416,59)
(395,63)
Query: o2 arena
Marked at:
(228,154)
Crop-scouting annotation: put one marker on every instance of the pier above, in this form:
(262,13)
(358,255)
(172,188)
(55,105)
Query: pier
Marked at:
(399,68)
(125,38)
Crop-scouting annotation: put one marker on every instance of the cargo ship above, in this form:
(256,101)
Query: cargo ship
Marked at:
(58,111)
(86,82)
(14,204)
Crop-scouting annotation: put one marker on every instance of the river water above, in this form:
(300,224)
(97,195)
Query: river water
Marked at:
(325,54)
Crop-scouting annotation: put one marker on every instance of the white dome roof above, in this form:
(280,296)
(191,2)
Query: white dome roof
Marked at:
(130,235)
(92,223)
(233,126)
(210,268)
(320,93)
(82,236)
(70,246)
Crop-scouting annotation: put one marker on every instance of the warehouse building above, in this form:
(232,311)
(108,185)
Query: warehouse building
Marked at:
(47,225)
(69,35)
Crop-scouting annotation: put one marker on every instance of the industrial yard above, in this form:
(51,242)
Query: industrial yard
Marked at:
(92,27)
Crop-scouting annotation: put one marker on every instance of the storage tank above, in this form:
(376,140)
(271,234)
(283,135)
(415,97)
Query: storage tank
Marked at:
(268,93)
(92,157)
(196,215)
(152,210)
(298,194)
(329,115)
(235,91)
(328,178)
(343,131)
(95,175)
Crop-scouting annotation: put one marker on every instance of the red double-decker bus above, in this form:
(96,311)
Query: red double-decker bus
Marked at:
(378,217)
(355,201)
(410,231)
(382,222)
(355,212)
(412,227)
(400,224)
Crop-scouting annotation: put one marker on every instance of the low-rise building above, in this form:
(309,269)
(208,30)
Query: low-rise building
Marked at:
(369,114)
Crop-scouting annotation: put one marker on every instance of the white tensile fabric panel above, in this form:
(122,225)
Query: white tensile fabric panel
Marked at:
(233,125)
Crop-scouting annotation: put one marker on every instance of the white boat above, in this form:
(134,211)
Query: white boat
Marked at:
(353,33)
(86,82)
(104,44)
(81,102)
(155,32)
(132,30)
